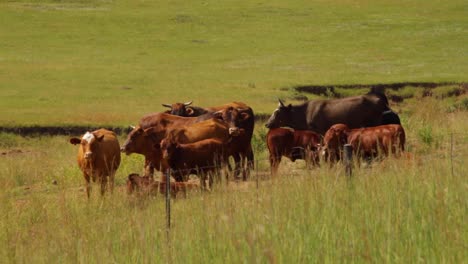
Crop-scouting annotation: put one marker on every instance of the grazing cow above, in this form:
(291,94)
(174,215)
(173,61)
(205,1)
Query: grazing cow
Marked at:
(294,144)
(319,115)
(141,140)
(205,157)
(366,142)
(241,123)
(98,157)
(147,185)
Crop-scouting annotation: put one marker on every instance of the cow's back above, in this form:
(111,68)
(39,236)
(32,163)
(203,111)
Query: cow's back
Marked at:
(306,138)
(222,107)
(108,157)
(280,141)
(212,128)
(356,111)
(385,137)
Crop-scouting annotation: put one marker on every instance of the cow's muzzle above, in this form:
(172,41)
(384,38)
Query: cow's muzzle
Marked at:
(88,155)
(234,131)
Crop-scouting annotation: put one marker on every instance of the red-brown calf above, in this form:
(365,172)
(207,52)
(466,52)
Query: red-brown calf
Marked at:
(294,144)
(203,157)
(366,142)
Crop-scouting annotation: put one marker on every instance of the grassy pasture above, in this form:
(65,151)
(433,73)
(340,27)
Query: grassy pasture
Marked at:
(110,62)
(409,209)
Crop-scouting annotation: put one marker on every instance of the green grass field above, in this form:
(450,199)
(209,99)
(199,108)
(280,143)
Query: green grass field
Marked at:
(110,62)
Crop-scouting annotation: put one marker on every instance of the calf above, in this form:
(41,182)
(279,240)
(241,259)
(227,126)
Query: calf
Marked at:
(148,186)
(294,144)
(366,142)
(98,157)
(202,157)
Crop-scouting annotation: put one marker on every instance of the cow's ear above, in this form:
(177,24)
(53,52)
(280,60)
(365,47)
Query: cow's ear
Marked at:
(218,114)
(289,106)
(189,111)
(75,141)
(245,116)
(147,131)
(281,104)
(99,137)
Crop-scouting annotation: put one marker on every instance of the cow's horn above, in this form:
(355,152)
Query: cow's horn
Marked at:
(188,103)
(132,127)
(281,102)
(167,105)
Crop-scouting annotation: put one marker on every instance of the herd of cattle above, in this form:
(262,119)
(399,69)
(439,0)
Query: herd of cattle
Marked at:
(189,140)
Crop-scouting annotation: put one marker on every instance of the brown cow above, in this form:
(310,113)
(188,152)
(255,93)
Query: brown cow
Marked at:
(148,186)
(141,140)
(294,144)
(204,157)
(366,142)
(98,157)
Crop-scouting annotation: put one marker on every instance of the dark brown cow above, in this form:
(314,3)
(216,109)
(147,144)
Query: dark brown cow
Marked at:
(240,119)
(148,186)
(205,157)
(319,115)
(294,144)
(184,109)
(366,142)
(98,157)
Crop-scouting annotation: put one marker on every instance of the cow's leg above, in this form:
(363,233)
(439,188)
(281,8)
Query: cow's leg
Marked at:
(88,184)
(103,180)
(274,163)
(237,168)
(111,181)
(210,179)
(251,158)
(202,181)
(243,165)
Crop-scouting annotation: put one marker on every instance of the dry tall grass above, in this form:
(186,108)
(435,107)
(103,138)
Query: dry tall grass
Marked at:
(408,209)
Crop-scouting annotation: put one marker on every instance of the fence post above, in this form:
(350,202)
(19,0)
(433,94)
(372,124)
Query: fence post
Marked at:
(348,159)
(168,200)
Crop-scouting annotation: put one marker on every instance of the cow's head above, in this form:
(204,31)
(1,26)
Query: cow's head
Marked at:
(280,117)
(135,140)
(236,118)
(180,109)
(88,143)
(168,147)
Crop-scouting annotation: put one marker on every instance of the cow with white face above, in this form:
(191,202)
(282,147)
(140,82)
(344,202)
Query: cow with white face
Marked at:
(98,157)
